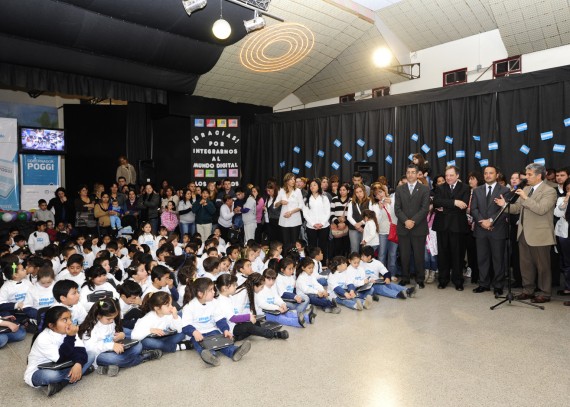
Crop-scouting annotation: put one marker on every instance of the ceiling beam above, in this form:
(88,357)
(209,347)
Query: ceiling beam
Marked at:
(354,8)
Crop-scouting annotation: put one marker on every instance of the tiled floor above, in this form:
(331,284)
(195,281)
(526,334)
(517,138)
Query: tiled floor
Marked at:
(443,348)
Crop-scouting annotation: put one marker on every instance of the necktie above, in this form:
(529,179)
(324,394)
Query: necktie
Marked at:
(522,213)
(451,186)
(411,189)
(489,196)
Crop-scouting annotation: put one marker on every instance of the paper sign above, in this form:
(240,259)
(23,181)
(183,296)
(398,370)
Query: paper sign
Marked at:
(370,153)
(460,154)
(524,149)
(441,153)
(522,127)
(308,164)
(337,143)
(425,148)
(360,142)
(335,165)
(389,159)
(389,138)
(449,140)
(297,149)
(415,137)
(493,146)
(559,148)
(547,135)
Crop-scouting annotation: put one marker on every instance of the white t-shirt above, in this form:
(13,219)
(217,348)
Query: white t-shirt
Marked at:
(203,317)
(39,296)
(153,321)
(294,201)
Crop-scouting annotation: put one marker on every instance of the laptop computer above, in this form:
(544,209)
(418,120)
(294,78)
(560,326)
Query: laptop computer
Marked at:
(167,332)
(273,326)
(364,287)
(272,312)
(99,295)
(216,342)
(56,365)
(129,343)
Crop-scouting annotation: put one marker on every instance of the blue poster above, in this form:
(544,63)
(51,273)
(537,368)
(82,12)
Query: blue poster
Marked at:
(9,194)
(40,169)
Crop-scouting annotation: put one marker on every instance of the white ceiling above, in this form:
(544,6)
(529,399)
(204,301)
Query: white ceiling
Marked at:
(340,61)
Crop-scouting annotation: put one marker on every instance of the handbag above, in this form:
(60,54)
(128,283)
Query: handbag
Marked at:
(336,232)
(393,234)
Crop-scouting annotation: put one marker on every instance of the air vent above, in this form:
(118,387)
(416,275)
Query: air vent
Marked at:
(379,92)
(508,66)
(455,77)
(346,98)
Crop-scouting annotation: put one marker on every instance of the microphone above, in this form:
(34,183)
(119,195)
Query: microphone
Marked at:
(511,198)
(521,184)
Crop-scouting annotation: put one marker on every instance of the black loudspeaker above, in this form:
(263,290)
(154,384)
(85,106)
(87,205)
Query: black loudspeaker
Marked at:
(146,172)
(368,170)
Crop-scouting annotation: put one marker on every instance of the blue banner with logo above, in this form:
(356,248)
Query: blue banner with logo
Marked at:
(40,169)
(9,194)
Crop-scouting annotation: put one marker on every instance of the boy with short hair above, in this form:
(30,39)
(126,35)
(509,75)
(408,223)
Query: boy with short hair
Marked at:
(39,239)
(66,293)
(43,214)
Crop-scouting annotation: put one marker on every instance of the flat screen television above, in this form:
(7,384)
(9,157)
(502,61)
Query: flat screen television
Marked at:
(38,140)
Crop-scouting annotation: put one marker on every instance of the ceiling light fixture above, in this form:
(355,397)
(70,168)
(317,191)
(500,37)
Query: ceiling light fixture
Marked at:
(192,5)
(221,28)
(256,23)
(382,58)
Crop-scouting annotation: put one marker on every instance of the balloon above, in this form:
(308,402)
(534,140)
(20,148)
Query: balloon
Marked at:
(22,216)
(29,216)
(7,217)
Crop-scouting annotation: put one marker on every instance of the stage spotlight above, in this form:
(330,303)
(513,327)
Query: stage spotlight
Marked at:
(221,28)
(192,5)
(256,23)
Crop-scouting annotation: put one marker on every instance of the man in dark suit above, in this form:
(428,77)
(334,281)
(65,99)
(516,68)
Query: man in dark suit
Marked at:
(490,235)
(411,208)
(450,202)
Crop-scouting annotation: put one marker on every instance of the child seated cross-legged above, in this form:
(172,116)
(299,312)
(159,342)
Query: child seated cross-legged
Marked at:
(201,318)
(380,276)
(285,283)
(95,280)
(340,286)
(15,289)
(102,335)
(40,294)
(57,342)
(161,327)
(269,303)
(66,293)
(242,320)
(358,279)
(307,284)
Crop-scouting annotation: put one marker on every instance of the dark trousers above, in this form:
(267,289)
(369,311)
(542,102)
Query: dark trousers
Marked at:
(451,252)
(319,301)
(320,238)
(515,260)
(535,261)
(246,329)
(274,230)
(224,232)
(341,246)
(290,235)
(472,250)
(491,251)
(408,245)
(564,250)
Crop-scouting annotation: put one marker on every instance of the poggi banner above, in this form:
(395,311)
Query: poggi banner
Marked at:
(9,194)
(216,149)
(40,178)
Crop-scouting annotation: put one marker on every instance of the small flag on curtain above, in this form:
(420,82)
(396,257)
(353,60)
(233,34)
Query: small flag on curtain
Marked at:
(477,154)
(484,162)
(547,135)
(411,157)
(389,138)
(522,127)
(335,165)
(425,148)
(347,157)
(477,138)
(540,161)
(360,142)
(449,140)
(460,154)
(282,164)
(524,149)
(452,162)
(321,153)
(337,143)
(493,146)
(389,159)
(297,149)
(415,137)
(308,164)
(559,148)
(370,153)
(567,122)
(295,170)
(441,153)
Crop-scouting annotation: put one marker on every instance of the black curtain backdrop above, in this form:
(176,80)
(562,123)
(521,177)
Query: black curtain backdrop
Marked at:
(95,137)
(270,143)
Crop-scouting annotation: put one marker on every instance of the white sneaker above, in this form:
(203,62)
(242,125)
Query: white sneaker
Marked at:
(358,305)
(430,276)
(467,272)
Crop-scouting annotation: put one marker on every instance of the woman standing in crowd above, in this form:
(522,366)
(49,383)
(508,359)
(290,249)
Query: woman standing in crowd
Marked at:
(102,213)
(63,207)
(383,203)
(149,203)
(85,219)
(187,217)
(213,195)
(359,203)
(259,205)
(290,200)
(339,223)
(132,211)
(98,189)
(168,196)
(317,212)
(271,212)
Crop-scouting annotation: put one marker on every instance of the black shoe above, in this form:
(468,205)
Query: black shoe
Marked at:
(184,345)
(481,289)
(459,287)
(498,291)
(402,295)
(53,388)
(404,282)
(441,286)
(411,291)
(376,297)
(281,334)
(421,284)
